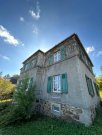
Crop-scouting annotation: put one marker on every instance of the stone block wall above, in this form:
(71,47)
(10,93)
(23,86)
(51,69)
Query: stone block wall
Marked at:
(67,112)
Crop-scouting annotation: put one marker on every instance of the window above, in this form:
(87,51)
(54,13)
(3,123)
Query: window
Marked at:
(96,88)
(56,108)
(30,82)
(33,62)
(27,66)
(57,56)
(57,83)
(90,86)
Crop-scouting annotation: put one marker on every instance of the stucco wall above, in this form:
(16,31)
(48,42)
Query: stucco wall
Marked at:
(68,66)
(83,70)
(78,97)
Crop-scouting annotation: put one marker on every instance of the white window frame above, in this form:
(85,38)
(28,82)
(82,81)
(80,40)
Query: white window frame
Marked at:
(57,83)
(57,56)
(56,105)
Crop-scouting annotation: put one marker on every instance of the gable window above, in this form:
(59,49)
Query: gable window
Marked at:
(90,86)
(57,83)
(57,56)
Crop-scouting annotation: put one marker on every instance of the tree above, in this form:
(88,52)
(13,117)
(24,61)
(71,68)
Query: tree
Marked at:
(24,98)
(99,82)
(101,69)
(0,74)
(6,88)
(7,77)
(14,79)
(21,108)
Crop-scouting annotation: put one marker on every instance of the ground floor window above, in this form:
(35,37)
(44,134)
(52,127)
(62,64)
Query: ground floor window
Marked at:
(56,108)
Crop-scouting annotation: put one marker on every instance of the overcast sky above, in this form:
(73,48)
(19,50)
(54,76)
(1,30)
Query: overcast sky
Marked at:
(29,25)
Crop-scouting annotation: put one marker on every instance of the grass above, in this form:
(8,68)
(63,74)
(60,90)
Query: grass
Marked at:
(6,100)
(48,126)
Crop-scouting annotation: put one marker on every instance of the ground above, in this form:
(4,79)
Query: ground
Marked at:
(48,126)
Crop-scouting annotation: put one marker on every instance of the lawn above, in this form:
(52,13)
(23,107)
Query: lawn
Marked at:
(48,126)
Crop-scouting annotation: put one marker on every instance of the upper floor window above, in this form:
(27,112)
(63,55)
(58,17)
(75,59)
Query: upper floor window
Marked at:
(27,66)
(57,56)
(33,62)
(57,83)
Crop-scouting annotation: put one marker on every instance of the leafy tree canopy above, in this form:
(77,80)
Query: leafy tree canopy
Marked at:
(6,88)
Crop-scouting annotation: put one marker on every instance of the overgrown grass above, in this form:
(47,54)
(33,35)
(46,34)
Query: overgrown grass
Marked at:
(4,104)
(48,126)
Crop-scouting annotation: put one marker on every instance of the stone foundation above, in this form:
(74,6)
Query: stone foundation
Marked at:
(67,112)
(70,112)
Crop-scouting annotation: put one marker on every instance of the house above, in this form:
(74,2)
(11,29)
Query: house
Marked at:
(65,83)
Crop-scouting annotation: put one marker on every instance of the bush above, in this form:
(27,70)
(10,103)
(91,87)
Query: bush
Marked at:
(6,89)
(22,103)
(4,104)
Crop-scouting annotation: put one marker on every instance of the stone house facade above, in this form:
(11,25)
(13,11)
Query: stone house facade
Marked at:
(65,83)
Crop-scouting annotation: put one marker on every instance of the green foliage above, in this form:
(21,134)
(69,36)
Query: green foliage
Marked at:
(24,98)
(4,104)
(99,82)
(6,89)
(21,107)
(48,126)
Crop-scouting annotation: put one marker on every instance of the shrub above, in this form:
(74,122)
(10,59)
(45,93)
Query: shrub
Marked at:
(6,89)
(22,103)
(4,104)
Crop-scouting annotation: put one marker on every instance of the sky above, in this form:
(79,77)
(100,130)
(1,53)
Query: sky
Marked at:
(29,25)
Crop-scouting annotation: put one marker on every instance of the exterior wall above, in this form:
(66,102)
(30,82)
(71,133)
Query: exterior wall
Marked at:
(83,70)
(67,112)
(77,97)
(69,67)
(77,104)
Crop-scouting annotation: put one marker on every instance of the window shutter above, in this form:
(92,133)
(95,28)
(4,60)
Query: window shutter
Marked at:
(92,89)
(63,53)
(49,84)
(51,59)
(96,88)
(64,83)
(90,86)
(30,82)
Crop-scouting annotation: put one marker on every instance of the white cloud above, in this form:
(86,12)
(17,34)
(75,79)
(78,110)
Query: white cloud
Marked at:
(5,57)
(99,53)
(22,19)
(90,49)
(35,15)
(7,37)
